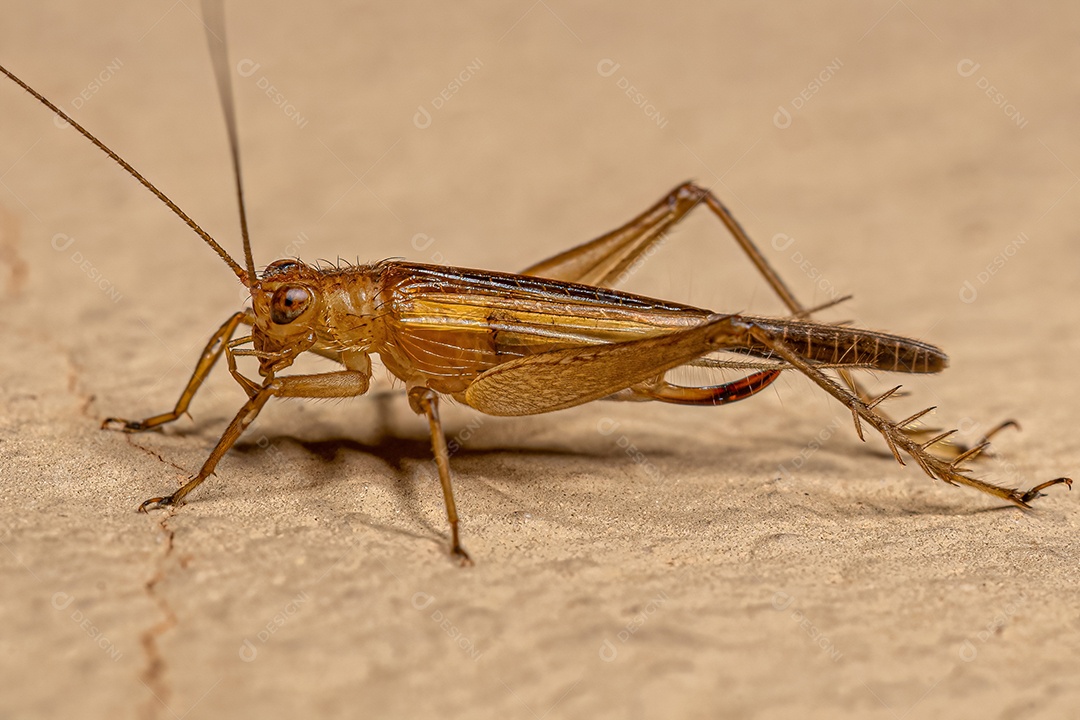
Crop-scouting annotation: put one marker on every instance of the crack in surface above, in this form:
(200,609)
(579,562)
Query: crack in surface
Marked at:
(74,370)
(153,675)
(10,237)
(73,386)
(155,454)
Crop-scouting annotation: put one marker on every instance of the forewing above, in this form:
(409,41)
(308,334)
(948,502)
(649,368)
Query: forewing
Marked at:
(564,378)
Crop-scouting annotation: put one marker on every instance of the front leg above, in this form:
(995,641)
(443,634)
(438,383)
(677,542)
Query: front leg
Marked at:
(210,354)
(341,384)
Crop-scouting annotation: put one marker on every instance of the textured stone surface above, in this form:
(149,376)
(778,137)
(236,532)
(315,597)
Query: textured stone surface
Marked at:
(632,560)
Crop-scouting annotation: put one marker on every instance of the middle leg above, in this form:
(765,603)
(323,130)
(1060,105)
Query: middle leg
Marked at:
(425,401)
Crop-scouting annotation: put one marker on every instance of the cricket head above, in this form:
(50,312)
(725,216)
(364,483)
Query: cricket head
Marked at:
(287,304)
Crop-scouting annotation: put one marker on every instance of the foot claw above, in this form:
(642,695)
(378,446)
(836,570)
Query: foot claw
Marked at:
(157,502)
(1037,490)
(127,426)
(999,428)
(463,557)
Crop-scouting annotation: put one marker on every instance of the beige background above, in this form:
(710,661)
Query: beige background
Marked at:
(753,561)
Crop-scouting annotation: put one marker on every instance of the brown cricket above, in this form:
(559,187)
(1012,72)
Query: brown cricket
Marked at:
(551,337)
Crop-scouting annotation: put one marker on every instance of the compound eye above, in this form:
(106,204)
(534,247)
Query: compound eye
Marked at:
(288,303)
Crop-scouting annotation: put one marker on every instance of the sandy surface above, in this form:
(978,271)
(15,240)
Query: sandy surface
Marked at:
(632,560)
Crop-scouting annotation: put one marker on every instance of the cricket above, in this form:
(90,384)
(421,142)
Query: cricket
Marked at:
(553,336)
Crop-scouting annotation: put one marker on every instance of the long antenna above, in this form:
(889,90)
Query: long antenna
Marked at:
(240,273)
(214,22)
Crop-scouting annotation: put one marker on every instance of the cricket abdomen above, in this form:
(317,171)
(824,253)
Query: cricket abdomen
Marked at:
(840,346)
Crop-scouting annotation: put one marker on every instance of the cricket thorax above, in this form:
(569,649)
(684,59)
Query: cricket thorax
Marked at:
(351,303)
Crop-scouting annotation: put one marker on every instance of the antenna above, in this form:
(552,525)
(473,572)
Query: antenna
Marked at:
(214,22)
(245,277)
